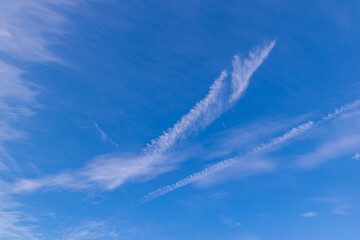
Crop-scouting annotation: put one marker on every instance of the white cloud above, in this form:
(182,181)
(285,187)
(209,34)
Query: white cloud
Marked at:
(326,151)
(342,209)
(339,138)
(199,117)
(107,172)
(230,222)
(215,103)
(342,109)
(111,171)
(289,135)
(329,150)
(243,70)
(16,101)
(356,156)
(309,214)
(94,230)
(13,223)
(231,162)
(24,26)
(104,136)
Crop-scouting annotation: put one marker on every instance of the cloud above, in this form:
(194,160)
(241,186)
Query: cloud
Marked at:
(230,222)
(342,109)
(104,136)
(17,99)
(111,171)
(334,149)
(309,214)
(216,102)
(342,209)
(13,223)
(106,172)
(356,156)
(94,230)
(24,30)
(24,24)
(329,150)
(289,135)
(231,162)
(340,137)
(243,70)
(200,116)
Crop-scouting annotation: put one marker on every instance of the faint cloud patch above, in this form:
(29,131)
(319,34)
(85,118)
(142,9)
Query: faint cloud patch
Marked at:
(104,137)
(343,209)
(309,214)
(25,31)
(95,230)
(230,222)
(13,223)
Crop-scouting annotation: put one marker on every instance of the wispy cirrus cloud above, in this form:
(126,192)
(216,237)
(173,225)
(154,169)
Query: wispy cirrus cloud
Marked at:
(95,230)
(220,166)
(25,24)
(24,30)
(335,149)
(217,101)
(343,209)
(111,171)
(339,138)
(309,214)
(25,27)
(13,223)
(104,137)
(244,68)
(16,101)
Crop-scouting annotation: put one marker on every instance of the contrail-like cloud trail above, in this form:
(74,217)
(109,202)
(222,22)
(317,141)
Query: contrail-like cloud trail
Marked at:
(296,131)
(244,69)
(227,163)
(223,95)
(201,115)
(215,103)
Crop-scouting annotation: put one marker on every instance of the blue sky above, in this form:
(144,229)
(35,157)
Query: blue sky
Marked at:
(175,120)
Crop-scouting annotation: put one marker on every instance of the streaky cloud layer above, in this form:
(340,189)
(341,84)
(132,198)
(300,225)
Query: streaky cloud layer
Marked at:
(232,161)
(201,115)
(112,171)
(244,69)
(226,163)
(216,102)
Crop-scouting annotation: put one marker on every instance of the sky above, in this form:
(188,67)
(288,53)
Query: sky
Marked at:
(235,120)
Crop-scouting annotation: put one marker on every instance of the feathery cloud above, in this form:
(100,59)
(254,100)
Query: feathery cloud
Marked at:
(309,214)
(13,223)
(340,138)
(200,116)
(348,143)
(112,171)
(216,102)
(95,230)
(104,136)
(24,26)
(226,163)
(243,70)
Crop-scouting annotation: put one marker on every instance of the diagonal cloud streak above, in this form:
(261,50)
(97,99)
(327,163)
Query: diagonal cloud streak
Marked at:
(216,101)
(201,115)
(296,131)
(226,163)
(244,69)
(111,172)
